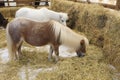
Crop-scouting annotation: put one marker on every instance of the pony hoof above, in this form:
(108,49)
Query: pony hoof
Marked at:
(56,60)
(50,60)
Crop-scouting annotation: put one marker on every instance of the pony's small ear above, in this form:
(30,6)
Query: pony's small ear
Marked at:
(82,42)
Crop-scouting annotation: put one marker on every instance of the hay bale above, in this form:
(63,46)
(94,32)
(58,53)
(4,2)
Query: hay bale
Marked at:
(9,11)
(112,40)
(102,26)
(92,20)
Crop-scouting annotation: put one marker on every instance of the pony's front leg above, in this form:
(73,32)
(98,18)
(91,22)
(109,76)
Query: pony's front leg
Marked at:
(56,53)
(50,53)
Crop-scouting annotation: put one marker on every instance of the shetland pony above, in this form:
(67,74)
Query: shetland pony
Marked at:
(42,14)
(42,33)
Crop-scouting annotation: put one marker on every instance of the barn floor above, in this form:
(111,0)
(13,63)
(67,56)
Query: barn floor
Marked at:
(35,65)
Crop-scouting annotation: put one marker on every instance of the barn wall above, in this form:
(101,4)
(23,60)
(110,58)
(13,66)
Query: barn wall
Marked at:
(101,25)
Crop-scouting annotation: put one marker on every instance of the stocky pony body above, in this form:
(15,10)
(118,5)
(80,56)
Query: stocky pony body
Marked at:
(42,33)
(42,15)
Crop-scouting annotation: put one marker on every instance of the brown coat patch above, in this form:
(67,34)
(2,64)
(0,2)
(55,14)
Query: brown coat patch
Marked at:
(34,33)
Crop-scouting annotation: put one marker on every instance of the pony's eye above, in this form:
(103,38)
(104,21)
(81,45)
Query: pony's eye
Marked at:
(62,20)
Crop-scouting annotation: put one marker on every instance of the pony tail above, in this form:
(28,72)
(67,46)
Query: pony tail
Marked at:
(9,43)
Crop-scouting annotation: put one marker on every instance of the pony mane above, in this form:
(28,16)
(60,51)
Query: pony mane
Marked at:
(67,36)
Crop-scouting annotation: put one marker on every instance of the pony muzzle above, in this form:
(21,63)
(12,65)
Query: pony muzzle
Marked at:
(80,54)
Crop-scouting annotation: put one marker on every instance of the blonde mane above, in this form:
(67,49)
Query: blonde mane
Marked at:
(67,36)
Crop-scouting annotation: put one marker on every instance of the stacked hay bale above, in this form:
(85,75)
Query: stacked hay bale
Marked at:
(112,39)
(99,24)
(9,11)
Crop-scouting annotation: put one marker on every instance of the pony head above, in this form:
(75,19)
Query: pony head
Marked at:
(81,51)
(70,38)
(63,17)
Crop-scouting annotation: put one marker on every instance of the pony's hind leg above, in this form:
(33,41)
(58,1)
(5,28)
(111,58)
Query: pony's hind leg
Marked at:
(16,51)
(50,53)
(19,50)
(14,54)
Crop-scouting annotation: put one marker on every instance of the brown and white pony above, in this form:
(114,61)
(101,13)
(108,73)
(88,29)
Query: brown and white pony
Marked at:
(42,33)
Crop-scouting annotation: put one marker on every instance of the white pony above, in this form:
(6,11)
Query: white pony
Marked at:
(42,15)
